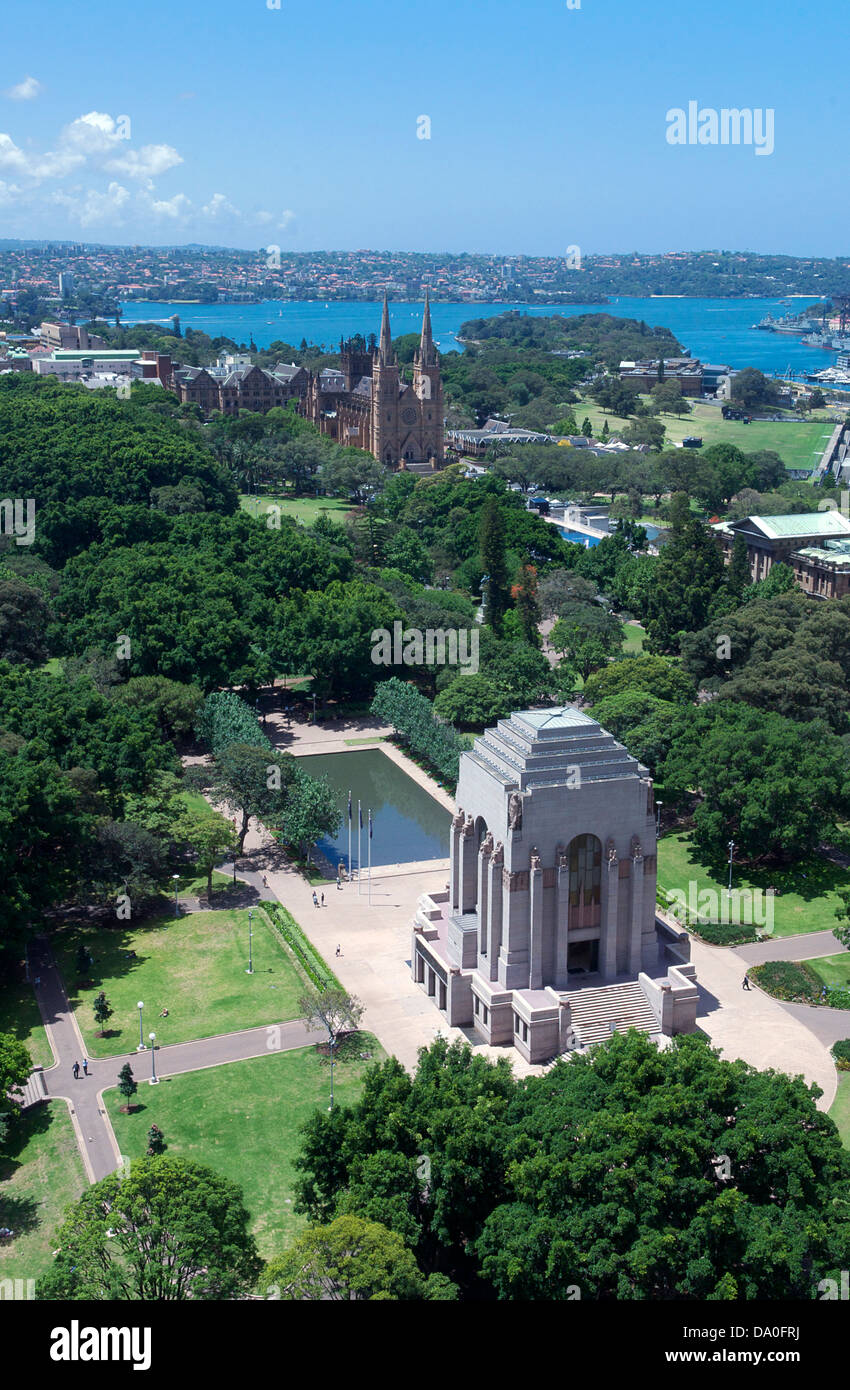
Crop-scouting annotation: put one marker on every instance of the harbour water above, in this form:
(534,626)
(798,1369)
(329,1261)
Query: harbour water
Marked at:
(715,330)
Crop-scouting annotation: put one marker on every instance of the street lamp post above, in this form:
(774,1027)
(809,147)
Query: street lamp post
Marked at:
(154,1081)
(250,969)
(731,852)
(657,819)
(141,1047)
(333,1045)
(176,878)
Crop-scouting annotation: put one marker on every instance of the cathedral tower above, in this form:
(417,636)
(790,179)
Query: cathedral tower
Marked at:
(429,388)
(385,396)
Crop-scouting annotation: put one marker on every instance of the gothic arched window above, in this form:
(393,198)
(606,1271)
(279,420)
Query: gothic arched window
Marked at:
(585,857)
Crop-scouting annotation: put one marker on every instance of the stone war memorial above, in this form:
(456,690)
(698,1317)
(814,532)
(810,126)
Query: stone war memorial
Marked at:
(546,936)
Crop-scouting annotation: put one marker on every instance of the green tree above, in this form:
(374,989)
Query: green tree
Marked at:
(15,1067)
(311,812)
(587,635)
(127,1086)
(688,576)
(103,1011)
(493,563)
(472,702)
(156,1141)
(210,837)
(527,604)
(332,1010)
(656,675)
(255,781)
(350,1259)
(170,1229)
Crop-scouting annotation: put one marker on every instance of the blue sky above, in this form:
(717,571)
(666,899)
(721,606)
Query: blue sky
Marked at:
(246,125)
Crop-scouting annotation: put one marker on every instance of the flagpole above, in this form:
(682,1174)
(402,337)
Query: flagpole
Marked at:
(349,836)
(359,828)
(370,857)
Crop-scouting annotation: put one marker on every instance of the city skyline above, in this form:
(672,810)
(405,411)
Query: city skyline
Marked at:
(421,128)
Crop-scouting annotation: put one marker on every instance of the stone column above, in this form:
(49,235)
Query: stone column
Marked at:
(484,854)
(494,910)
(608,944)
(454,861)
(535,915)
(468,867)
(562,918)
(513,954)
(636,915)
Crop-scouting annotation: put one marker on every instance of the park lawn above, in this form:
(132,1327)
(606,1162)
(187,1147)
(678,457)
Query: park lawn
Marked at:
(806,902)
(840,1108)
(798,444)
(243,1119)
(41,1173)
(833,970)
(355,742)
(306,510)
(194,966)
(20,1015)
(633,639)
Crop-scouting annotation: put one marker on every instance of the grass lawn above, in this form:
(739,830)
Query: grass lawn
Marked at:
(834,971)
(303,509)
(243,1120)
(376,738)
(41,1172)
(807,899)
(840,1109)
(19,1015)
(634,638)
(799,445)
(193,966)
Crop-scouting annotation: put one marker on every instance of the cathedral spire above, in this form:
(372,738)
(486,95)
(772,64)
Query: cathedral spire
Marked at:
(427,356)
(385,349)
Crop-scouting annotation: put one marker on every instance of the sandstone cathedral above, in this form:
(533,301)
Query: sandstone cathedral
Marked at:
(366,404)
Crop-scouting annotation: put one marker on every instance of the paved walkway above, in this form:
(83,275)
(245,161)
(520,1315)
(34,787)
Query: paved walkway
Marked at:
(755,1027)
(84,1094)
(806,947)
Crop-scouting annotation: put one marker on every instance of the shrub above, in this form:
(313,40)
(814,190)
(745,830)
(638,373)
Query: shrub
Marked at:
(793,981)
(841,1053)
(723,933)
(225,719)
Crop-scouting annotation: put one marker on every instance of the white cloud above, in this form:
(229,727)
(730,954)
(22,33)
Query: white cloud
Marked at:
(146,163)
(9,193)
(88,206)
(285,219)
(219,206)
(176,208)
(25,91)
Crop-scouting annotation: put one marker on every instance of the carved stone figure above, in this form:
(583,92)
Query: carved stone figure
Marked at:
(650,798)
(612,852)
(487,844)
(515,811)
(637,852)
(499,853)
(535,859)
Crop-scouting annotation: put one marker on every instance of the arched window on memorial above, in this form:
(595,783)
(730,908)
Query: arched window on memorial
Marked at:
(585,871)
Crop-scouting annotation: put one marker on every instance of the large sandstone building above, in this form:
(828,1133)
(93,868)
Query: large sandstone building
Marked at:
(547,935)
(366,404)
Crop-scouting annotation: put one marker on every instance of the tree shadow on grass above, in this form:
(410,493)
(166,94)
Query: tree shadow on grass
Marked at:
(808,878)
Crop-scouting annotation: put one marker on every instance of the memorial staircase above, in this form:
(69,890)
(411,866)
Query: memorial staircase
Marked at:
(597,1013)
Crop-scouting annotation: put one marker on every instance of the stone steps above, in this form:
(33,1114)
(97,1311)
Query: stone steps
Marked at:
(596,1013)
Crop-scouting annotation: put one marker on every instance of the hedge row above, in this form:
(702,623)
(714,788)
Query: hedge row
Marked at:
(224,719)
(309,959)
(790,980)
(412,716)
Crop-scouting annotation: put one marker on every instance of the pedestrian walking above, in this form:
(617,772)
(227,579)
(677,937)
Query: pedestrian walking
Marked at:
(339,950)
(315,899)
(76,1071)
(37,981)
(746,983)
(339,885)
(323,900)
(265,881)
(85,1066)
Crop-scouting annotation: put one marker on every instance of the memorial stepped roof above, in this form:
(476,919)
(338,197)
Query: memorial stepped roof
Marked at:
(543,748)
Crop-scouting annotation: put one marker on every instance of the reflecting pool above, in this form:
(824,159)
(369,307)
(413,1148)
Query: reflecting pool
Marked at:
(407,823)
